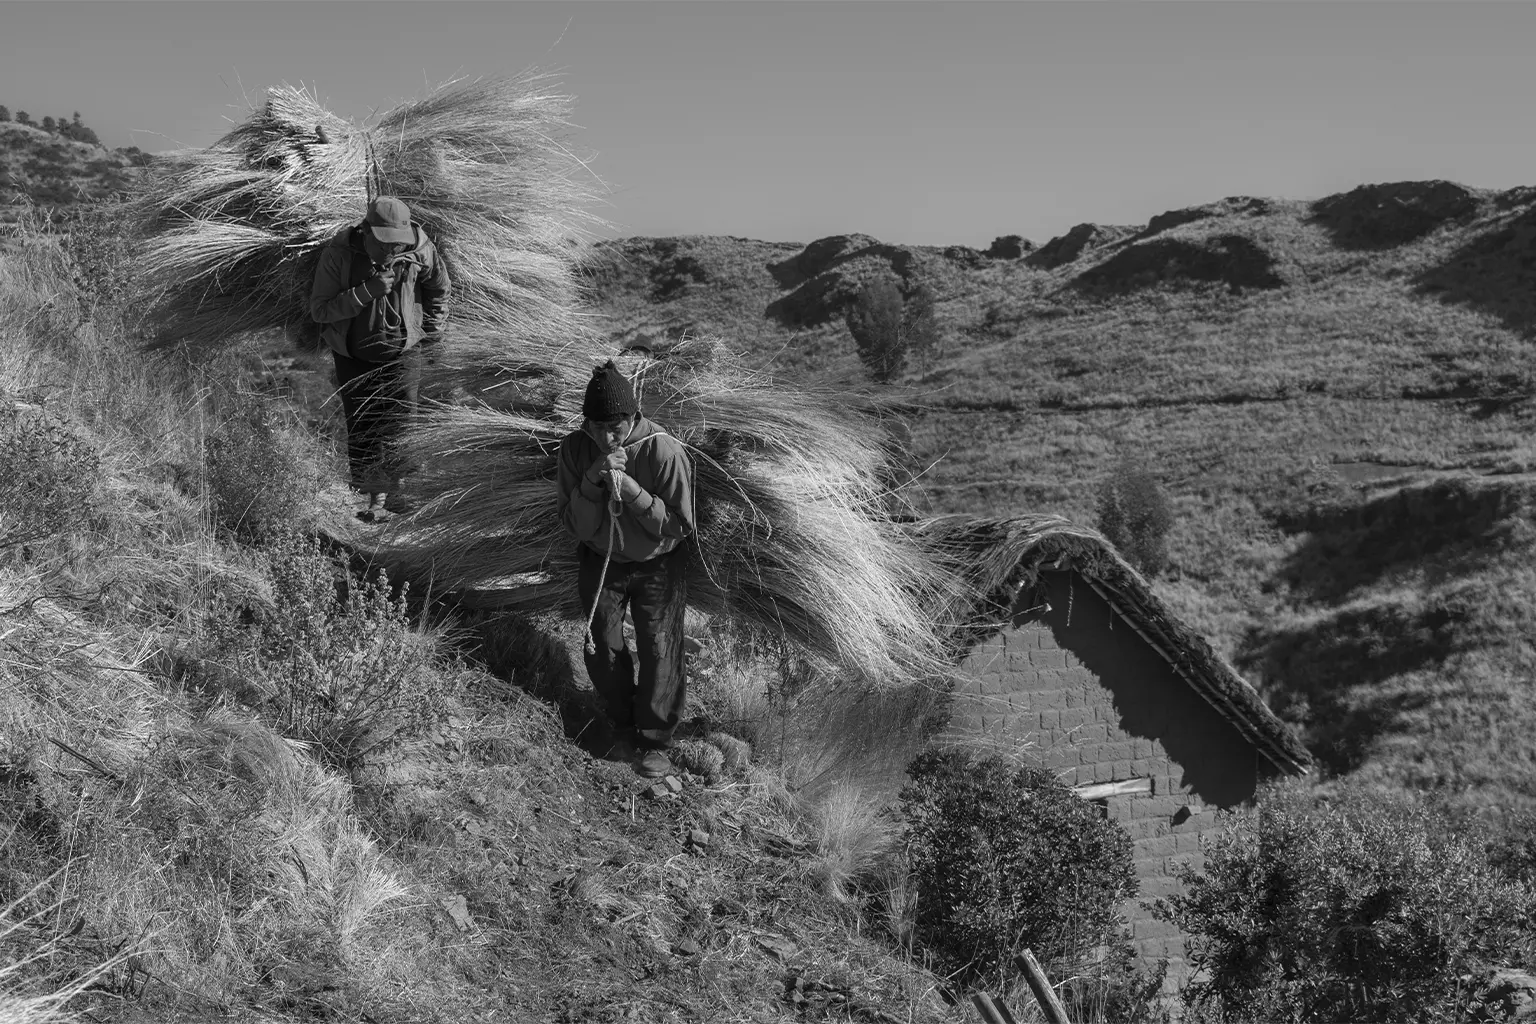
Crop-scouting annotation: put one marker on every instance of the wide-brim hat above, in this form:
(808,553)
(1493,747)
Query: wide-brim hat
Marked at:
(390,220)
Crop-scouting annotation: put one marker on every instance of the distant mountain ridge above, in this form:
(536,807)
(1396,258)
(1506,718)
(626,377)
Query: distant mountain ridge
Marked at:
(759,290)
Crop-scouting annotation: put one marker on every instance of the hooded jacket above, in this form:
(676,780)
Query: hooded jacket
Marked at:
(419,298)
(651,525)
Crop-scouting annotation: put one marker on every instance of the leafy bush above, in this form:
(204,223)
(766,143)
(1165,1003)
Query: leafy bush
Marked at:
(346,670)
(1511,847)
(1008,247)
(1359,911)
(1006,858)
(1135,515)
(254,489)
(47,476)
(888,328)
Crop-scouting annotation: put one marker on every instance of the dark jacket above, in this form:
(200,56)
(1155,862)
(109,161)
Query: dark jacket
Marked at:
(419,299)
(653,524)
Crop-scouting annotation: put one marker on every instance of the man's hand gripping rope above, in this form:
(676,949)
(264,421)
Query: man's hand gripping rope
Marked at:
(615,508)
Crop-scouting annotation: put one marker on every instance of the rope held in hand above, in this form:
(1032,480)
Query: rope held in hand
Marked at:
(615,508)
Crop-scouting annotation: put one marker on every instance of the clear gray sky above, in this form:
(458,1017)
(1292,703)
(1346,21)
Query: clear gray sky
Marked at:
(932,123)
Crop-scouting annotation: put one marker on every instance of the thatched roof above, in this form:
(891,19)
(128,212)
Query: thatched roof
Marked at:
(1002,558)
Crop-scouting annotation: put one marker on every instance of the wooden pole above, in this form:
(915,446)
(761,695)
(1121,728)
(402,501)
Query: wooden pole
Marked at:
(1040,985)
(988,1010)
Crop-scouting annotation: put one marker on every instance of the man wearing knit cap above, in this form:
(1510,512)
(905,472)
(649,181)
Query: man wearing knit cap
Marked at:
(626,495)
(380,295)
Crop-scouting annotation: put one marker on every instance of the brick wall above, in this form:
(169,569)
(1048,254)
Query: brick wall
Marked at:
(1091,700)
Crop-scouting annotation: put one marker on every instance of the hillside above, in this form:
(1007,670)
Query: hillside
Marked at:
(252,785)
(245,778)
(48,169)
(1336,395)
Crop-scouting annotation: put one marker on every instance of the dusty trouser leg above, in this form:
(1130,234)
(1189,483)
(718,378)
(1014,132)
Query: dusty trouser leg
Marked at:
(379,401)
(401,394)
(610,667)
(658,595)
(358,383)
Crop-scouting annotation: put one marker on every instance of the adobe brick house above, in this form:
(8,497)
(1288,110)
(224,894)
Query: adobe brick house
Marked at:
(1071,658)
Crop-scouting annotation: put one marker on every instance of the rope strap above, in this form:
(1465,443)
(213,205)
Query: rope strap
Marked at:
(615,509)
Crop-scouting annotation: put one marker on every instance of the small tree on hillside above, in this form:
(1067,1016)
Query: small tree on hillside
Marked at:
(1135,515)
(22,117)
(49,125)
(888,328)
(874,320)
(1005,858)
(5,112)
(920,325)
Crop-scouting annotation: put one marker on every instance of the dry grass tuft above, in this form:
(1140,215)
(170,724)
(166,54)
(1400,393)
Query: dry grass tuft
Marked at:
(699,757)
(735,753)
(20,1000)
(852,836)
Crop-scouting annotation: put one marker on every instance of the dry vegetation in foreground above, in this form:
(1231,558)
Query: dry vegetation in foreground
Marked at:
(240,780)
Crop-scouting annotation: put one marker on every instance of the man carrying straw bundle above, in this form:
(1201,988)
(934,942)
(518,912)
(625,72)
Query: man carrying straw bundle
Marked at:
(380,294)
(626,495)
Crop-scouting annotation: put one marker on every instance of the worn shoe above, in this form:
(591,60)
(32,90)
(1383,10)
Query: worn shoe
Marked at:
(377,500)
(654,764)
(398,504)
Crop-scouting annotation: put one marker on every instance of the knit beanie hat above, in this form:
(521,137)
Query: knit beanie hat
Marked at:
(609,396)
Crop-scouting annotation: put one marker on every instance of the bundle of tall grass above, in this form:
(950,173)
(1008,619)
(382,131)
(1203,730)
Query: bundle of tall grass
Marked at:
(232,233)
(798,521)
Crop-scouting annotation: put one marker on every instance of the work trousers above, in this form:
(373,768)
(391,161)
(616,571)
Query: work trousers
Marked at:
(379,400)
(655,592)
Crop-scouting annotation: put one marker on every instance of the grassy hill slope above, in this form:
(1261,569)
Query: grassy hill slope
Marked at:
(48,169)
(1335,394)
(239,782)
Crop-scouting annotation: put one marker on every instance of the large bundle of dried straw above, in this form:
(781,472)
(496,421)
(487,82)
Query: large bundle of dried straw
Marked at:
(235,230)
(795,510)
(798,528)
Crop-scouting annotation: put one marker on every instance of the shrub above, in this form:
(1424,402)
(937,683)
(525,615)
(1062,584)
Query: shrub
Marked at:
(1135,515)
(1361,911)
(1006,858)
(1511,847)
(255,491)
(47,477)
(1007,247)
(920,324)
(344,668)
(888,328)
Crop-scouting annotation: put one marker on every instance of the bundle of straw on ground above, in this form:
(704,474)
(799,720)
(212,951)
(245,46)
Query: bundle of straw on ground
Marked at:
(232,233)
(798,523)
